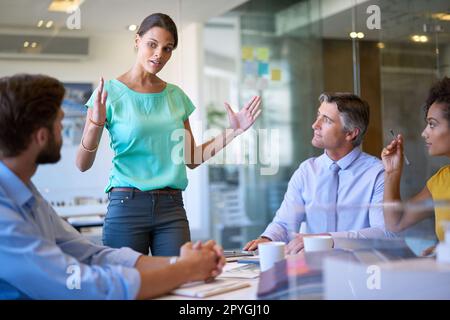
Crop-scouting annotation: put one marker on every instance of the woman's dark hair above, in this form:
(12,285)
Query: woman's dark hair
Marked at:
(440,93)
(159,20)
(27,103)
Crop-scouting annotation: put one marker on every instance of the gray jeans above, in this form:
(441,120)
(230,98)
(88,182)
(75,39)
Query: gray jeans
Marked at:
(143,220)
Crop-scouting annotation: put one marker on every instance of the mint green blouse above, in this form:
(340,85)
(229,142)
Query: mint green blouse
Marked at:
(147,136)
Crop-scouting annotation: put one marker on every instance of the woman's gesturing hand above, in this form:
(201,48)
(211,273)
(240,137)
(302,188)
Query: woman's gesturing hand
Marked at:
(99,110)
(245,118)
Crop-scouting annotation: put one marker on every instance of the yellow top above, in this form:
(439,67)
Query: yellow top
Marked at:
(439,186)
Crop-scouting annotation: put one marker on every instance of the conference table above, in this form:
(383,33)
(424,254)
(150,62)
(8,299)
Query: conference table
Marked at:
(246,293)
(359,269)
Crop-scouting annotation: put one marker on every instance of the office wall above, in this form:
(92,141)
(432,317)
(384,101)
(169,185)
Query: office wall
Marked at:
(338,76)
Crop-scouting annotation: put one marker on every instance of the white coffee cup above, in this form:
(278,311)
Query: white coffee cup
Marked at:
(269,253)
(317,243)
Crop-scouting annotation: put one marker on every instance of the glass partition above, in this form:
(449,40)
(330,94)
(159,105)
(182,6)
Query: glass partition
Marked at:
(407,264)
(389,52)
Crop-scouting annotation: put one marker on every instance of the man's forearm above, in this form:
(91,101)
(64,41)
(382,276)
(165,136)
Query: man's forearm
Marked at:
(148,263)
(275,232)
(159,281)
(366,233)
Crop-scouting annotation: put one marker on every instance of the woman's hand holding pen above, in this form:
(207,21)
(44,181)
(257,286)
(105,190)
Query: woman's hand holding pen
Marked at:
(392,156)
(245,118)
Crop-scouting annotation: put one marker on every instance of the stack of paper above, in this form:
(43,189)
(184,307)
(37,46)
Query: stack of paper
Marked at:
(201,289)
(239,270)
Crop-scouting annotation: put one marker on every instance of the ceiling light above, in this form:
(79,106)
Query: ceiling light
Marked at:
(445,16)
(419,38)
(423,39)
(65,5)
(26,44)
(34,45)
(49,24)
(360,35)
(132,27)
(353,35)
(415,38)
(40,23)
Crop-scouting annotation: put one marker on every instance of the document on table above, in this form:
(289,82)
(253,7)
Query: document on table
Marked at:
(239,270)
(200,289)
(234,255)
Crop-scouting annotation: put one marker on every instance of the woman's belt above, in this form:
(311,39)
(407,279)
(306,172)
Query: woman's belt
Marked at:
(156,191)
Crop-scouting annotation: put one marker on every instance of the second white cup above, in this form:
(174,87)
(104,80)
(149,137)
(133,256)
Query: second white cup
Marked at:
(269,253)
(317,243)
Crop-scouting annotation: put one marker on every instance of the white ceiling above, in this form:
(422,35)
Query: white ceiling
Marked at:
(99,16)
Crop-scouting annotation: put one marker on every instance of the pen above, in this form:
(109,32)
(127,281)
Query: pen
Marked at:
(404,156)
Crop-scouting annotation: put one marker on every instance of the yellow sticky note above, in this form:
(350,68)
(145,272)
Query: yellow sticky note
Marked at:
(262,54)
(275,74)
(247,53)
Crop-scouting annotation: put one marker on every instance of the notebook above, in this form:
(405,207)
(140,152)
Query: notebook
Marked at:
(200,289)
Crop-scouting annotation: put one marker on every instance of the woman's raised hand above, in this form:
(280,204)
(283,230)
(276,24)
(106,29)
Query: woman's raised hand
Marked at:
(99,110)
(245,118)
(392,155)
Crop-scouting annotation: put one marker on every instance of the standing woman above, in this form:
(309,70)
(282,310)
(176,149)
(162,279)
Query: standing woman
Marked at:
(437,139)
(141,112)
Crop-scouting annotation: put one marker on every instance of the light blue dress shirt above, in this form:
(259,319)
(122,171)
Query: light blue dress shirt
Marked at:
(361,186)
(41,254)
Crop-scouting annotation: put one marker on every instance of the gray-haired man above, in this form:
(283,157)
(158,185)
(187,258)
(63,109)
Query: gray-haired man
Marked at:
(329,192)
